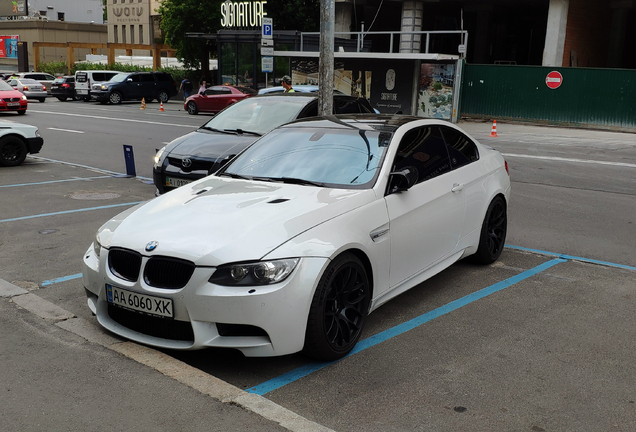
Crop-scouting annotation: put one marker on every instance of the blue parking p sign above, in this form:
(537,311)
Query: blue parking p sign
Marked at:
(268,28)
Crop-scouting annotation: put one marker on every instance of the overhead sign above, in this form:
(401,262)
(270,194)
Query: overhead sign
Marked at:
(554,79)
(243,14)
(268,28)
(9,8)
(267,64)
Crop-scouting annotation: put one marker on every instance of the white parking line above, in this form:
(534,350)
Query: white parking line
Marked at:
(115,119)
(67,130)
(560,159)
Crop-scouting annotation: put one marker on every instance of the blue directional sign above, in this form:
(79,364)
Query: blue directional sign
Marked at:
(268,28)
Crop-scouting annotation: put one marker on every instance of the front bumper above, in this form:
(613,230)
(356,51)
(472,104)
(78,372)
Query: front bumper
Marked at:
(212,315)
(35,144)
(99,94)
(22,105)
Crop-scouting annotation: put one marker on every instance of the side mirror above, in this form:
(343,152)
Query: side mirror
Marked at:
(128,79)
(403,180)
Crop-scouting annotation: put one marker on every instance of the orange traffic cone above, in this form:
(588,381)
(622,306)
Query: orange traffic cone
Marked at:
(161,108)
(143,103)
(494,129)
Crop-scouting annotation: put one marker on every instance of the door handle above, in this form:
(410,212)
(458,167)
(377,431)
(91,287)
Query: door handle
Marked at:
(457,187)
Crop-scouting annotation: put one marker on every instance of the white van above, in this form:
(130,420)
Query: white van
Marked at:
(84,79)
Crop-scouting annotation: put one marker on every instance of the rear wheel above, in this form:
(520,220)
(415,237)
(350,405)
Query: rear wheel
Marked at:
(163,96)
(493,233)
(338,309)
(115,98)
(63,99)
(192,108)
(42,99)
(13,151)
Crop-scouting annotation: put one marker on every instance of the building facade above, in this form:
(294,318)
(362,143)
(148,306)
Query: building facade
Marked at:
(130,22)
(83,11)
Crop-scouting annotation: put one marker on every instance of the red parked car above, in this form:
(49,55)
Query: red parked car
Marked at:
(217,98)
(11,99)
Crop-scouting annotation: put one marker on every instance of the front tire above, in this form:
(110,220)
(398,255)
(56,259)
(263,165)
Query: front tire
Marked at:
(13,151)
(192,108)
(493,233)
(22,111)
(115,98)
(338,309)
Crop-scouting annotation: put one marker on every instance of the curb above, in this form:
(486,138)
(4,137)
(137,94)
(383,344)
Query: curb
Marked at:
(182,372)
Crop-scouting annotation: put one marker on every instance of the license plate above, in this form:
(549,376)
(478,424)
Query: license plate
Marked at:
(36,88)
(54,87)
(150,305)
(82,91)
(13,104)
(173,182)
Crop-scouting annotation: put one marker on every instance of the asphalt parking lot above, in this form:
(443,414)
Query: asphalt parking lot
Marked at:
(540,340)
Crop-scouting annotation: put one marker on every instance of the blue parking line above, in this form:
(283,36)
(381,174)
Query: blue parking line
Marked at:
(61,279)
(55,181)
(573,258)
(303,371)
(69,211)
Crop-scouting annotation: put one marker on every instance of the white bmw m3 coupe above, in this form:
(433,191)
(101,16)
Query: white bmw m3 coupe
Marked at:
(296,240)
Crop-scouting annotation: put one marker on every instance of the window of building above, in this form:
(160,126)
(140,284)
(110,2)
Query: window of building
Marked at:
(132,34)
(43,13)
(60,16)
(123,34)
(141,34)
(115,32)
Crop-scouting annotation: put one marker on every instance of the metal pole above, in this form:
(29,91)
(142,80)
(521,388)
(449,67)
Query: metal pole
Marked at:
(326,64)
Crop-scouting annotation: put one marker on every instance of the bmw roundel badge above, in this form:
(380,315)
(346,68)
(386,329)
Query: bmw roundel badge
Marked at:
(152,246)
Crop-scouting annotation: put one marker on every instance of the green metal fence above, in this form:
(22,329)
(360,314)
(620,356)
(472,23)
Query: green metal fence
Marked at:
(604,98)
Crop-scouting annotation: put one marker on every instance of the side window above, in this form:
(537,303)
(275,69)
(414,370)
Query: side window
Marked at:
(310,111)
(346,107)
(423,149)
(134,78)
(162,77)
(461,149)
(147,78)
(217,91)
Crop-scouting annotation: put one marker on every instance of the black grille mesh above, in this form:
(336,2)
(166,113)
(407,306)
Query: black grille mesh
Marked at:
(124,263)
(164,272)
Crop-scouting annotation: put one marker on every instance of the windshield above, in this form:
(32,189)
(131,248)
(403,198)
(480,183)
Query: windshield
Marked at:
(259,115)
(120,77)
(342,158)
(29,81)
(5,86)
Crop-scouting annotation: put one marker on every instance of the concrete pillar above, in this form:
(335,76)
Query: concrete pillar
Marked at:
(411,21)
(555,33)
(344,11)
(480,39)
(620,13)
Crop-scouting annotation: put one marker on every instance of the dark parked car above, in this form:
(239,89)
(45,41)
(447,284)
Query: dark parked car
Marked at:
(205,150)
(64,88)
(135,86)
(216,98)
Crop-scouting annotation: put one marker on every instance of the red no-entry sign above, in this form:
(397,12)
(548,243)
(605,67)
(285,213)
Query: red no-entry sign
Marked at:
(554,79)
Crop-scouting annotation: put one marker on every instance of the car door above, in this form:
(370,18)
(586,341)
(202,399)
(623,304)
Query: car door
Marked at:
(217,98)
(426,220)
(148,86)
(132,87)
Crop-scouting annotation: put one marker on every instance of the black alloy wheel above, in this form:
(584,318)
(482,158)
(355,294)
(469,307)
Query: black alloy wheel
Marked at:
(493,232)
(192,108)
(13,151)
(338,309)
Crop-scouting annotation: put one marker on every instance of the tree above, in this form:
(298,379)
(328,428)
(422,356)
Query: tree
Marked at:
(179,17)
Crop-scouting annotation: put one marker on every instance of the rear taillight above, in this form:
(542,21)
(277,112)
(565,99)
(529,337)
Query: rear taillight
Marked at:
(66,85)
(25,88)
(506,163)
(43,87)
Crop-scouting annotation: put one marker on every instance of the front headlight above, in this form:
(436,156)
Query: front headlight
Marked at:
(24,97)
(97,246)
(37,133)
(158,157)
(254,273)
(104,87)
